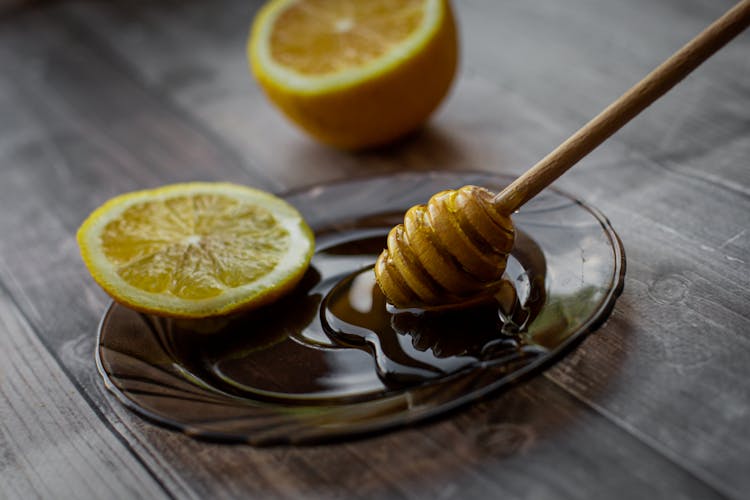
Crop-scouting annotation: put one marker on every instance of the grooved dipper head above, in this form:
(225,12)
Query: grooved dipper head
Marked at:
(450,252)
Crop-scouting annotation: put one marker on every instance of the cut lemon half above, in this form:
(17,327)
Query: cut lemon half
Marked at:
(196,250)
(355,74)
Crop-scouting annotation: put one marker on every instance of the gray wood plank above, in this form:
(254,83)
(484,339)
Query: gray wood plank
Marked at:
(124,124)
(195,54)
(505,111)
(661,390)
(53,444)
(683,167)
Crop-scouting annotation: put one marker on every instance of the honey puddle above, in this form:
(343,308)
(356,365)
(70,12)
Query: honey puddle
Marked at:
(335,338)
(415,346)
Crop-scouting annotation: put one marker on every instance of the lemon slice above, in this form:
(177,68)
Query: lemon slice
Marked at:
(197,249)
(355,74)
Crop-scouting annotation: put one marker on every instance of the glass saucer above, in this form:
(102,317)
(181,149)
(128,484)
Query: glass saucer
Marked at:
(330,360)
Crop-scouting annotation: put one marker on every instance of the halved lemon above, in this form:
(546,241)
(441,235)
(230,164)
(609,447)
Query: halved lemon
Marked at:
(355,74)
(197,249)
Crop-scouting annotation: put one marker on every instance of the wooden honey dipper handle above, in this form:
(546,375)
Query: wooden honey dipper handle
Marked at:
(625,108)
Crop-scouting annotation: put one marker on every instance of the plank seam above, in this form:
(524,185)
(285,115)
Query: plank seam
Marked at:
(108,53)
(95,408)
(645,439)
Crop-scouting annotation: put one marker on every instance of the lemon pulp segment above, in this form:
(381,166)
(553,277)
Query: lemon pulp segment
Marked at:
(318,38)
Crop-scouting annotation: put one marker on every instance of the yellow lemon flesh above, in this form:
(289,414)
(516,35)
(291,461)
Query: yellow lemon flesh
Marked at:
(355,74)
(196,250)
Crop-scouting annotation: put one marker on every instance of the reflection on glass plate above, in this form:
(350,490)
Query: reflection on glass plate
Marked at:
(331,360)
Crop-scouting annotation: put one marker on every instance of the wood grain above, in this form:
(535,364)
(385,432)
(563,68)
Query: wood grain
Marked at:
(53,444)
(626,107)
(97,98)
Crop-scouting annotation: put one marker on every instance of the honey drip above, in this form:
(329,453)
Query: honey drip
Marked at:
(414,346)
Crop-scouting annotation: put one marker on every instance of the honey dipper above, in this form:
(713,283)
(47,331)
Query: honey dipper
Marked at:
(452,251)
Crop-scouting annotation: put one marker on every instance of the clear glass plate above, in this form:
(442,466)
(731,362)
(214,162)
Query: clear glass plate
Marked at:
(330,361)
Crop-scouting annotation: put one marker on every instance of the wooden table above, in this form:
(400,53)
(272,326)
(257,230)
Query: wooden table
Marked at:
(99,98)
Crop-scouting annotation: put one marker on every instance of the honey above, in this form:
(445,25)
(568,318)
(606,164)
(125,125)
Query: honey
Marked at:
(337,338)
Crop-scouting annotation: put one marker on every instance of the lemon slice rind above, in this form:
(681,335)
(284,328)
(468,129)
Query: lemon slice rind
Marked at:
(283,277)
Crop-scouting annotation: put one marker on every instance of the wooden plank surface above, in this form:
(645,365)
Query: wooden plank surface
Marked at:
(100,98)
(54,445)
